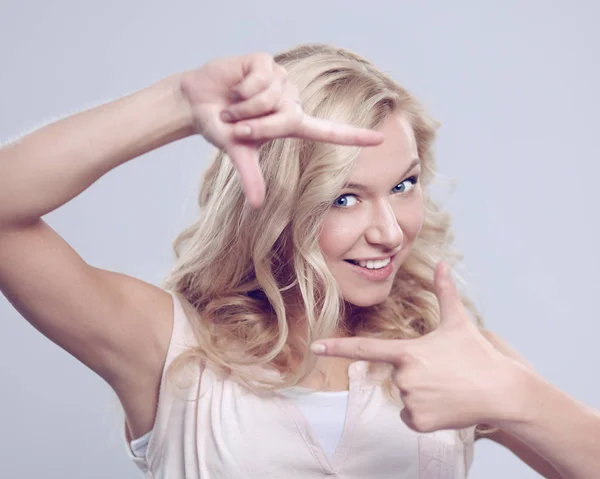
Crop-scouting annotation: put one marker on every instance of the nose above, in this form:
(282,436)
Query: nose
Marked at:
(384,229)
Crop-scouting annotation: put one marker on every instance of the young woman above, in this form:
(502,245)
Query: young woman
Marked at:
(310,326)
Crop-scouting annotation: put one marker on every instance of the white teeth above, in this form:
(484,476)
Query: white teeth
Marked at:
(376,264)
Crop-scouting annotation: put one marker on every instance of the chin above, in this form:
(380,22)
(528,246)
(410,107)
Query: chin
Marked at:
(364,299)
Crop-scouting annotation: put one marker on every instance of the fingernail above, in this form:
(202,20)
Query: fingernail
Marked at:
(443,269)
(317,348)
(243,130)
(226,116)
(447,271)
(446,279)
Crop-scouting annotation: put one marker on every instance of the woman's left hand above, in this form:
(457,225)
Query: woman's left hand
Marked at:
(451,378)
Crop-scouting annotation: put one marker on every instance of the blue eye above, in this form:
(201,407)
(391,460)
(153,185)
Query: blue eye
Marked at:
(349,199)
(344,201)
(407,185)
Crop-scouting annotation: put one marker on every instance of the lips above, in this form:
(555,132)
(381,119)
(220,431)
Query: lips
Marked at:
(369,259)
(373,274)
(364,262)
(382,261)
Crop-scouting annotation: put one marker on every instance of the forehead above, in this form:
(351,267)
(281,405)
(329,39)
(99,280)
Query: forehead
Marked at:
(389,159)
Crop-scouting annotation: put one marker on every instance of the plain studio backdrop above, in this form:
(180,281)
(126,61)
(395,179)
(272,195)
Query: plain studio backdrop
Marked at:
(514,84)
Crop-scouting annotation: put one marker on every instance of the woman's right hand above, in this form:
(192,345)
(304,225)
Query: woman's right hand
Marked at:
(238,103)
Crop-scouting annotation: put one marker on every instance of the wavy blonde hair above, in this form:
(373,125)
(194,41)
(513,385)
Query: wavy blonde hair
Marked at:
(237,268)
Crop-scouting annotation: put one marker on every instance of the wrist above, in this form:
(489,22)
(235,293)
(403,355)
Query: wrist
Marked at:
(519,396)
(174,107)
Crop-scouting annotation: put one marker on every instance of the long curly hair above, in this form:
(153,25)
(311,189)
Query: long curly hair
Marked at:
(237,268)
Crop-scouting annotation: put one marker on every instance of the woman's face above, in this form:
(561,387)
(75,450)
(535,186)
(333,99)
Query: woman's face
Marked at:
(370,230)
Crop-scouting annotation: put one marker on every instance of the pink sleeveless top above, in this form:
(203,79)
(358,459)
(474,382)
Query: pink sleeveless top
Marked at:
(216,429)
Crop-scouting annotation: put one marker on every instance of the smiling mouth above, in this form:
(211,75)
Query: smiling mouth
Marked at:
(371,264)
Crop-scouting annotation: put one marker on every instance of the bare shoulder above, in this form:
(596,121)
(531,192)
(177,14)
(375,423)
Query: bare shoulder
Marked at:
(117,325)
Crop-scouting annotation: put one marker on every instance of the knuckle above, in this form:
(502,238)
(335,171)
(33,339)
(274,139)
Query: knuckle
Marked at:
(262,60)
(422,423)
(265,56)
(261,79)
(405,357)
(409,353)
(276,98)
(360,349)
(235,113)
(277,89)
(281,71)
(263,102)
(186,84)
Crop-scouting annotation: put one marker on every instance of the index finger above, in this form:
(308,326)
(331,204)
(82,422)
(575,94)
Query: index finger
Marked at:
(366,349)
(299,125)
(320,129)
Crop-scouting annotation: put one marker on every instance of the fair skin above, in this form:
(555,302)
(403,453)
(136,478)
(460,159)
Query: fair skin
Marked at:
(120,326)
(117,325)
(379,216)
(382,218)
(456,376)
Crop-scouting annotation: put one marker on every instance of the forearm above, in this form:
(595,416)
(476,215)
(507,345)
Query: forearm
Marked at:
(559,428)
(47,168)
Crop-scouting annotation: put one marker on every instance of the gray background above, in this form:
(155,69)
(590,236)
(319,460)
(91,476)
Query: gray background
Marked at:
(515,84)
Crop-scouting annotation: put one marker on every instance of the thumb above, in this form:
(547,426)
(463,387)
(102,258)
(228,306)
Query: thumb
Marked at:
(452,311)
(245,160)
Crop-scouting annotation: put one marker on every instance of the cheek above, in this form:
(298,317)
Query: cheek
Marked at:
(411,218)
(337,236)
(415,224)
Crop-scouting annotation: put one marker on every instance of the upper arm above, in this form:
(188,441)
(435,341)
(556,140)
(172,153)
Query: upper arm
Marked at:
(513,444)
(115,324)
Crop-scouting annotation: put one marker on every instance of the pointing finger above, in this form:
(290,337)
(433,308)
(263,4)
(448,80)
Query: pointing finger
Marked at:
(366,349)
(319,129)
(310,128)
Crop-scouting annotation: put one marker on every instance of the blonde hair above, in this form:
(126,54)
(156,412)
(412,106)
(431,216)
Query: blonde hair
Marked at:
(237,267)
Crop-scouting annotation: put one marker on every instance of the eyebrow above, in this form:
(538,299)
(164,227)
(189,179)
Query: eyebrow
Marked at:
(358,186)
